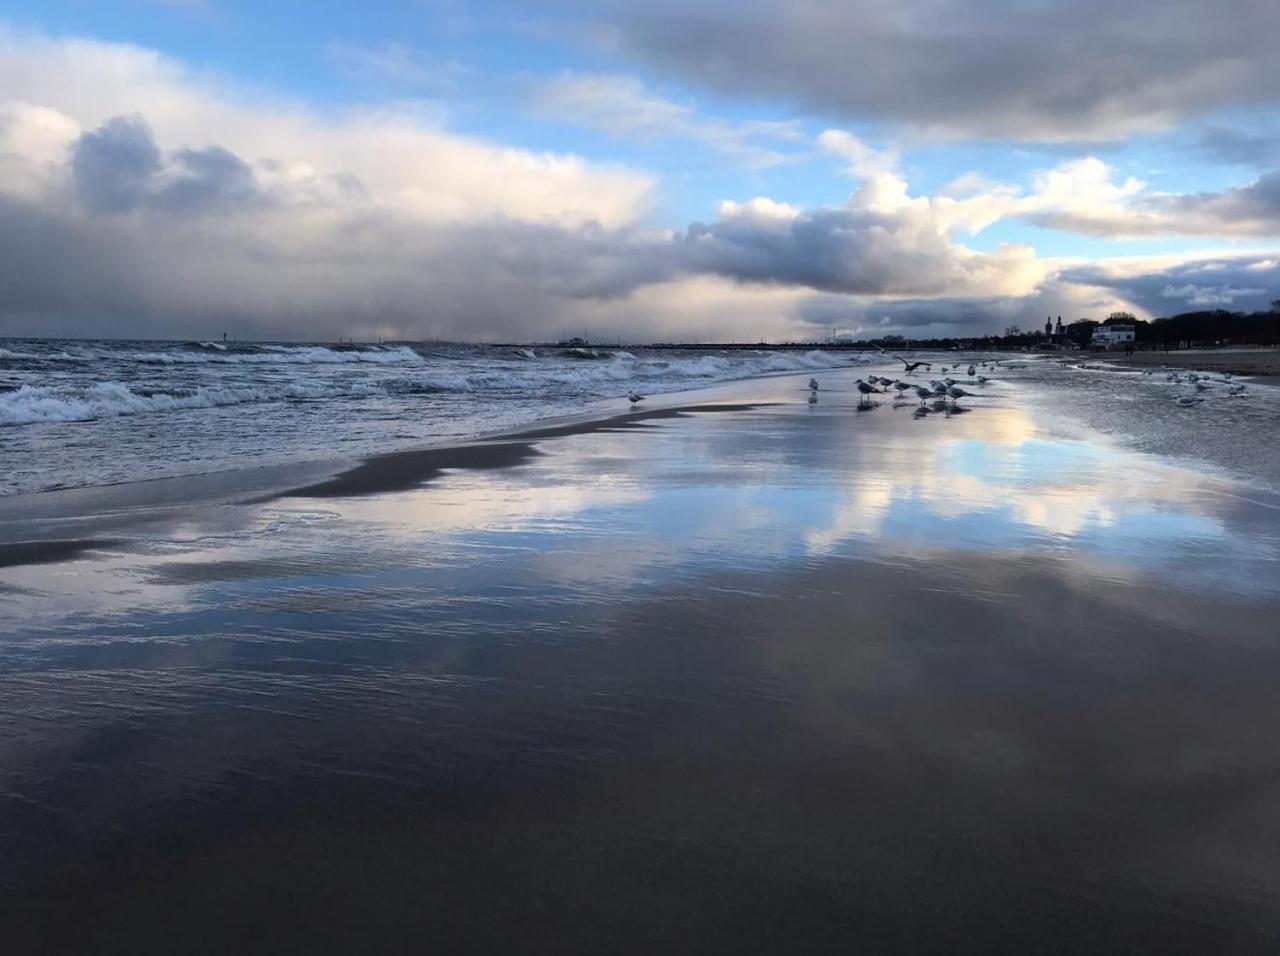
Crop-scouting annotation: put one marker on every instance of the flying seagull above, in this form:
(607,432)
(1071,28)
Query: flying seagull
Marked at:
(911,366)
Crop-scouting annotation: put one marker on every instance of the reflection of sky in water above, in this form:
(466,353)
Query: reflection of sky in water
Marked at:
(602,515)
(798,629)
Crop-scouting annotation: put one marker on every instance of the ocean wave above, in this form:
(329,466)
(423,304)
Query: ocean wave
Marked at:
(211,353)
(60,356)
(40,403)
(549,377)
(600,378)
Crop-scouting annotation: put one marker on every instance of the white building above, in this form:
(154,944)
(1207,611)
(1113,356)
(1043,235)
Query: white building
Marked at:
(1113,336)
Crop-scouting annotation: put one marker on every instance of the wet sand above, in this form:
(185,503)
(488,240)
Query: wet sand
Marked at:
(1261,363)
(783,678)
(398,471)
(15,553)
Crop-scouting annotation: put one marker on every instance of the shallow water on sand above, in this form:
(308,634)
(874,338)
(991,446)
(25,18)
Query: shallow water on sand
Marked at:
(797,677)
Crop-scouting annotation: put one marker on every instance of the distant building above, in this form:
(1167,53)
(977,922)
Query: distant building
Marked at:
(1118,335)
(1056,335)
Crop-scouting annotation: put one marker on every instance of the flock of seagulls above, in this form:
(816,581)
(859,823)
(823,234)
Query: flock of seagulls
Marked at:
(939,391)
(1203,383)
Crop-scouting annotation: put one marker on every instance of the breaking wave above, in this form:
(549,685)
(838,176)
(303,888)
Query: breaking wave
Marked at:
(78,413)
(40,403)
(217,353)
(613,373)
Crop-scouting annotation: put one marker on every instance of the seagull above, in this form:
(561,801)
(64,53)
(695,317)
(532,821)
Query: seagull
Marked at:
(1184,402)
(912,366)
(901,387)
(982,380)
(923,394)
(813,384)
(635,398)
(866,390)
(956,392)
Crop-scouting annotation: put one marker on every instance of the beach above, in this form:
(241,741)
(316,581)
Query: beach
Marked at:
(1260,363)
(747,668)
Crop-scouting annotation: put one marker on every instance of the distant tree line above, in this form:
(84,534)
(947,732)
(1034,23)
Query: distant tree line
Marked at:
(1186,330)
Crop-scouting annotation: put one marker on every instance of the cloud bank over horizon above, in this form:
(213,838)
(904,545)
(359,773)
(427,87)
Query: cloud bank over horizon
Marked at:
(140,196)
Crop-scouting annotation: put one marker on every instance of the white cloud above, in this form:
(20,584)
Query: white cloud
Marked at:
(1082,196)
(623,107)
(401,162)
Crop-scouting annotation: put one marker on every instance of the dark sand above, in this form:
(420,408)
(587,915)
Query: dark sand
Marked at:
(781,679)
(1261,363)
(399,471)
(15,553)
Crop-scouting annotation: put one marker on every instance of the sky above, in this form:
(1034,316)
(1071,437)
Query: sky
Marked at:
(724,170)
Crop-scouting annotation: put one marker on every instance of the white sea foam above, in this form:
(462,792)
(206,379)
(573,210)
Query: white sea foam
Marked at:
(108,399)
(282,355)
(31,404)
(94,412)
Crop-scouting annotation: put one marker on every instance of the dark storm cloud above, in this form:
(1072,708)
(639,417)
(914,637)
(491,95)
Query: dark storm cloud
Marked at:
(114,165)
(1238,283)
(118,168)
(1254,208)
(194,236)
(149,242)
(951,317)
(1051,69)
(207,177)
(846,250)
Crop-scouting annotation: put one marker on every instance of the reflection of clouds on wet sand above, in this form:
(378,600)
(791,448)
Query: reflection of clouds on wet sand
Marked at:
(617,511)
(992,481)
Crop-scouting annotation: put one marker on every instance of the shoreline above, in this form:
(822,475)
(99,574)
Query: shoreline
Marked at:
(414,468)
(449,417)
(138,504)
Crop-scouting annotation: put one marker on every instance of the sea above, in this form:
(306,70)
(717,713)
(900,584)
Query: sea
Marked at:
(80,413)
